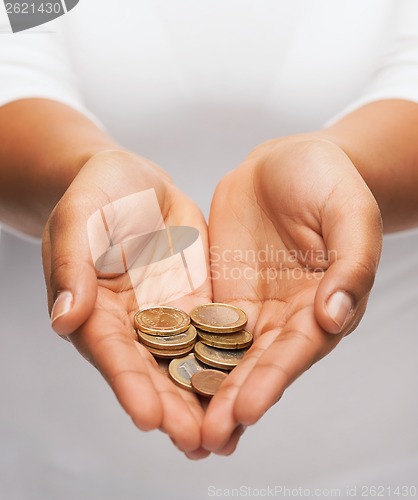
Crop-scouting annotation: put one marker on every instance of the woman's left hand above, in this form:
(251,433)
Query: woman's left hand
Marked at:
(295,239)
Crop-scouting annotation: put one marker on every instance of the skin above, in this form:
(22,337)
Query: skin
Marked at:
(343,178)
(301,197)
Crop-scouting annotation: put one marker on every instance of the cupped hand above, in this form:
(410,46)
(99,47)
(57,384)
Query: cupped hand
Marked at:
(295,237)
(97,279)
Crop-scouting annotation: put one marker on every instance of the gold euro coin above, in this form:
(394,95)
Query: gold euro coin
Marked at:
(226,359)
(207,382)
(181,370)
(169,342)
(218,318)
(172,353)
(162,320)
(236,340)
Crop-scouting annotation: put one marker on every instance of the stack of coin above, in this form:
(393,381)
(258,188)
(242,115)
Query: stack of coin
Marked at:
(222,340)
(170,333)
(165,331)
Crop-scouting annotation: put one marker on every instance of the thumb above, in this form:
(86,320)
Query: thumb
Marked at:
(352,232)
(70,275)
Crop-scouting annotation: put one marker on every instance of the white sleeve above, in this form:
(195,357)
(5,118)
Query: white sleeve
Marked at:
(396,75)
(35,64)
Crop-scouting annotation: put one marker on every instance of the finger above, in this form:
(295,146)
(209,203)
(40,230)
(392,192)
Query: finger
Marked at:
(226,450)
(197,404)
(180,420)
(182,412)
(299,345)
(69,271)
(352,232)
(103,341)
(232,444)
(198,454)
(220,421)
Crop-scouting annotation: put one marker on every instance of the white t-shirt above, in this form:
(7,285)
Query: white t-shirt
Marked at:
(195,86)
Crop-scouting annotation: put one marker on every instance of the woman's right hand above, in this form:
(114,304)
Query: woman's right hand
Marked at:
(121,195)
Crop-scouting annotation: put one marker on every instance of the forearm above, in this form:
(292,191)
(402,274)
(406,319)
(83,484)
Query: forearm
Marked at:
(381,139)
(43,145)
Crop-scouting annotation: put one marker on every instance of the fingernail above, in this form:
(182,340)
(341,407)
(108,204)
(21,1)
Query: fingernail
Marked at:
(339,307)
(62,305)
